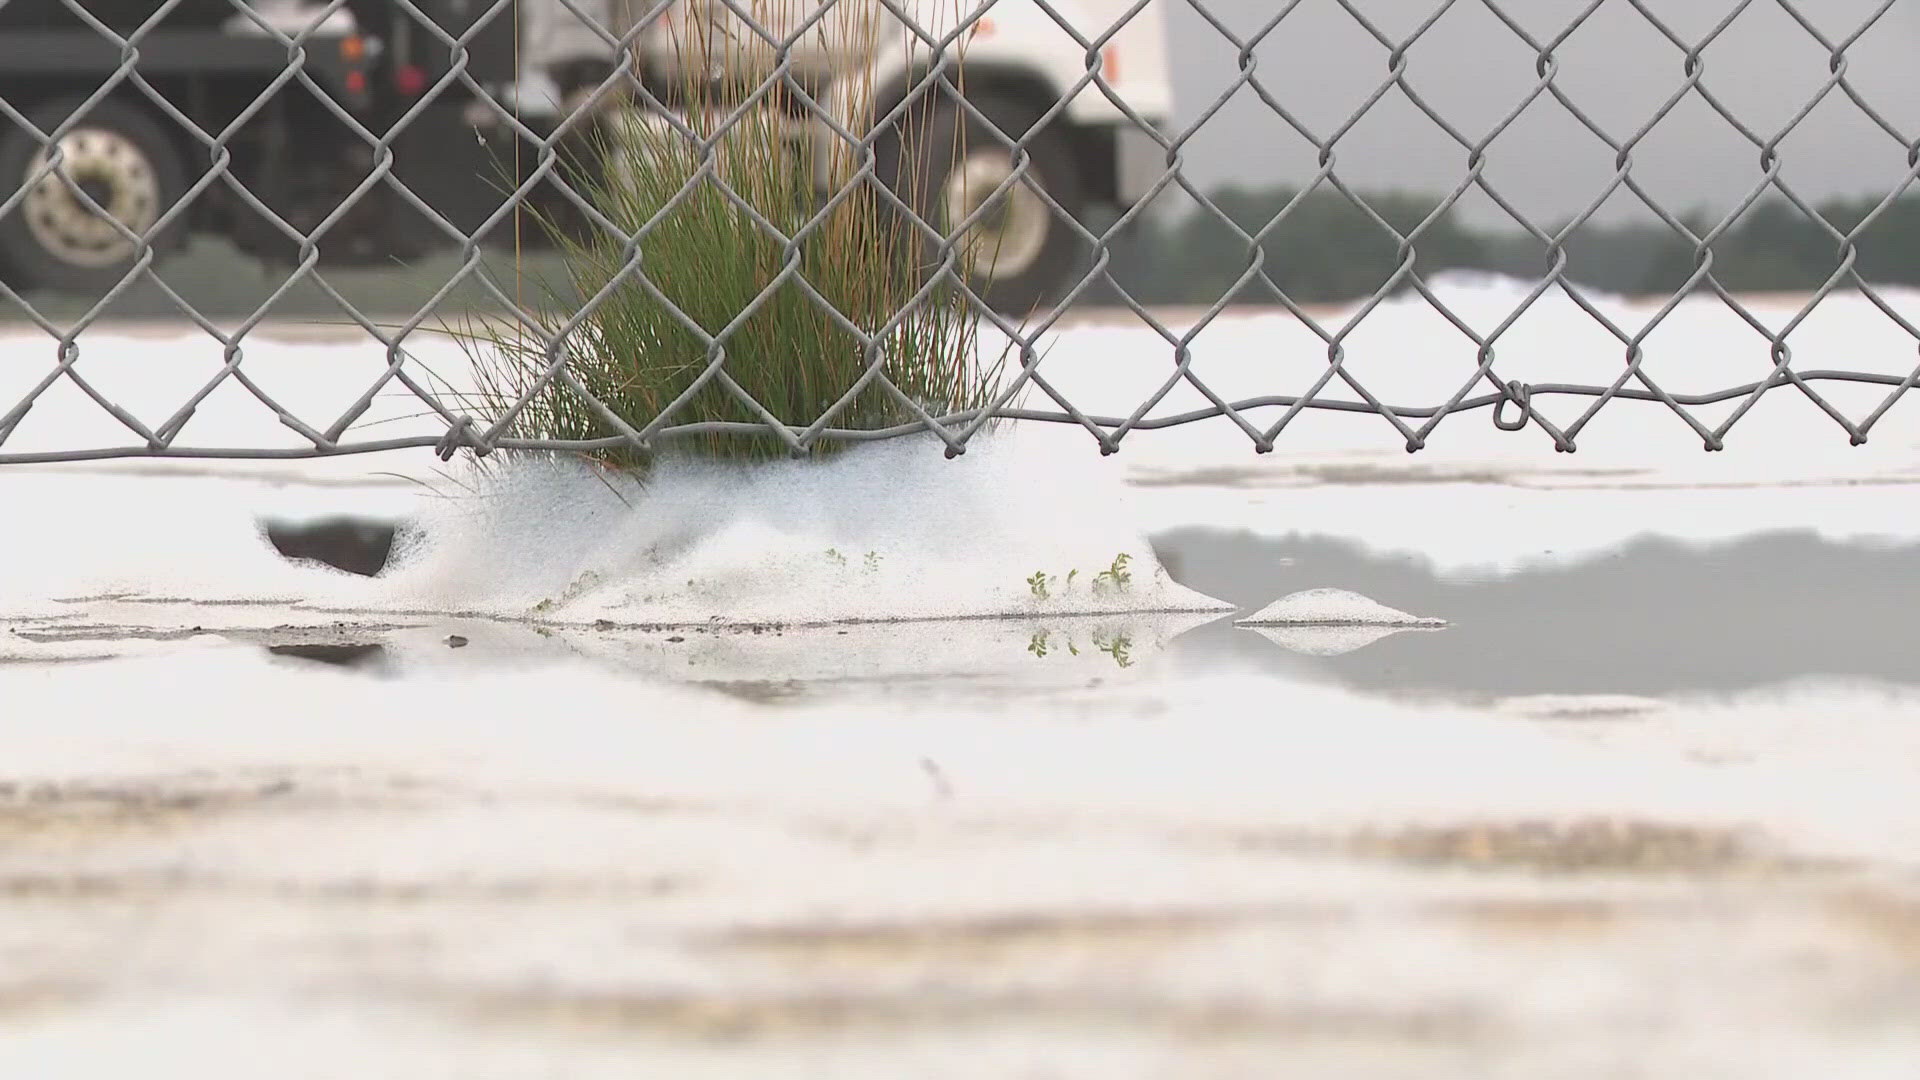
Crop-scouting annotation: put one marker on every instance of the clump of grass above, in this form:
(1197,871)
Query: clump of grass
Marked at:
(703,252)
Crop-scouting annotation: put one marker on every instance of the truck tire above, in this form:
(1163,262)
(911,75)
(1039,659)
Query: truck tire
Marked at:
(945,164)
(121,158)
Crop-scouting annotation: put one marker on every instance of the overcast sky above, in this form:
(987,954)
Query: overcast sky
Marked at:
(1473,70)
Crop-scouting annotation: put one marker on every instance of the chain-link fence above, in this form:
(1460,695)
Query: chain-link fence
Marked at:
(723,190)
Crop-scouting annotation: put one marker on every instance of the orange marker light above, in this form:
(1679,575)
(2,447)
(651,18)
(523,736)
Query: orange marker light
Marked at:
(1110,63)
(353,48)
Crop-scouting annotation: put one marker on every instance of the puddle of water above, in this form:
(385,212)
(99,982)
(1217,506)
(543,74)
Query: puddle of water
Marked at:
(1595,638)
(368,656)
(1654,618)
(357,545)
(990,659)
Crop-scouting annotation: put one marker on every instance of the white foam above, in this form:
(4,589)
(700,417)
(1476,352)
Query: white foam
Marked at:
(1330,640)
(1409,354)
(1035,498)
(880,533)
(1333,607)
(479,770)
(887,532)
(473,835)
(1477,498)
(1580,706)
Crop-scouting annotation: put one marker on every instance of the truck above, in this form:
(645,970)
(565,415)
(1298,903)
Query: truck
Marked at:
(389,139)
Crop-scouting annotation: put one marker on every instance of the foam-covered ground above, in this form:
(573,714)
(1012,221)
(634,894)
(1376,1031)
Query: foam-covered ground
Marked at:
(224,863)
(888,532)
(889,766)
(1640,470)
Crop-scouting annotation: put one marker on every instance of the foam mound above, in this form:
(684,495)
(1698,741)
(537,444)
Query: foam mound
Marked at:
(882,533)
(1331,622)
(1333,608)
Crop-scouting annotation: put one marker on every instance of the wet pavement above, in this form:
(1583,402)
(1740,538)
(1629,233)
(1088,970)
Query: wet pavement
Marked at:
(273,841)
(1655,618)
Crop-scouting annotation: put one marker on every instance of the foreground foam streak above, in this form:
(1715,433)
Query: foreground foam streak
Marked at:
(565,869)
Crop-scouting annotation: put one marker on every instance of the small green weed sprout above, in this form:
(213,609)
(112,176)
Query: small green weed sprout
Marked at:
(1116,577)
(1037,584)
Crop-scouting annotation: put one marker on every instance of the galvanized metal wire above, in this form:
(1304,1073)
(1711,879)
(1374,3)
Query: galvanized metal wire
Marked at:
(1028,395)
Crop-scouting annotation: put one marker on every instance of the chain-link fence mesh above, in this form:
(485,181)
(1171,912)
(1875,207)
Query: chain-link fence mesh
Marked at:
(1012,146)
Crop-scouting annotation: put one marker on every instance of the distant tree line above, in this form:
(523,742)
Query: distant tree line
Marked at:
(1330,249)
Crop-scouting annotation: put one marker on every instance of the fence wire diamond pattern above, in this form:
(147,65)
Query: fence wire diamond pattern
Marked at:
(312,61)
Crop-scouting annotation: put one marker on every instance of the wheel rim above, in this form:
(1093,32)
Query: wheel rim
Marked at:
(1008,240)
(116,174)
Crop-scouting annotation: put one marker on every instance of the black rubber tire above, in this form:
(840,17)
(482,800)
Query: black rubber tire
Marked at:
(120,15)
(25,262)
(916,158)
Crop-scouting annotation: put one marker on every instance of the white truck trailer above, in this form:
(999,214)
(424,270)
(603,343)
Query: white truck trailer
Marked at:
(1017,65)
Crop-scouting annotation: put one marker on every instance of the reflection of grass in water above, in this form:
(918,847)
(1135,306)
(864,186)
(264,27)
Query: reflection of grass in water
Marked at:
(1119,647)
